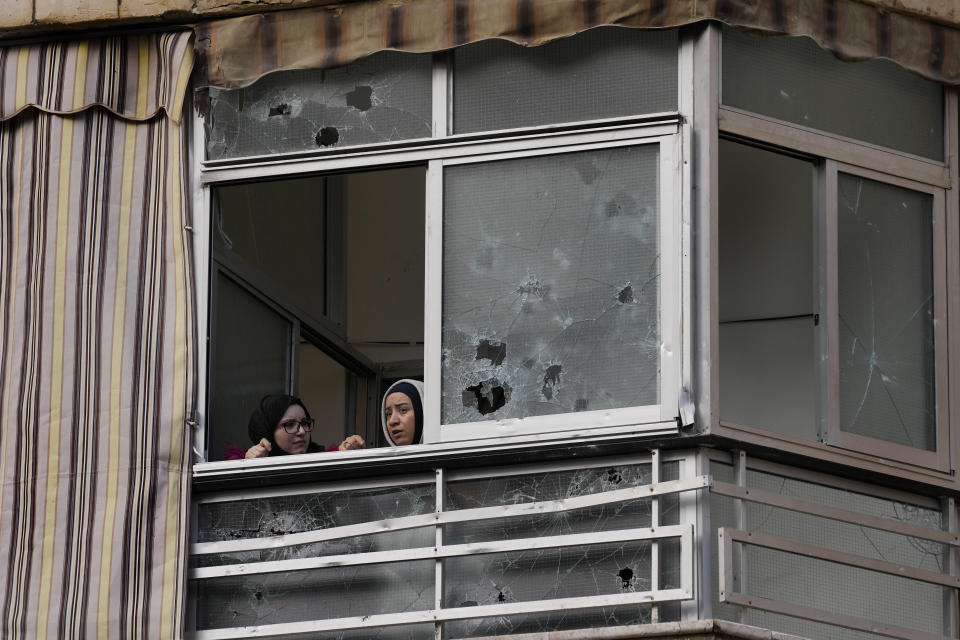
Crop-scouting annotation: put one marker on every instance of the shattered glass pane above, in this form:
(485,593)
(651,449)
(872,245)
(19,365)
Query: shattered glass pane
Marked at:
(264,517)
(387,541)
(887,382)
(602,568)
(545,574)
(502,85)
(316,594)
(507,490)
(845,590)
(381,98)
(795,80)
(551,285)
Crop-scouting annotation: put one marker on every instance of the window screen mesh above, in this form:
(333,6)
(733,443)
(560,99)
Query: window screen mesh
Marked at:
(382,98)
(793,79)
(887,383)
(843,590)
(602,73)
(551,285)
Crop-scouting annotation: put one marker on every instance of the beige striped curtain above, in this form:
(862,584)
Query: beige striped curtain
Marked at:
(97,346)
(235,52)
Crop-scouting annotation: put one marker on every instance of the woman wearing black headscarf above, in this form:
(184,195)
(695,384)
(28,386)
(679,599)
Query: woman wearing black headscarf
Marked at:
(280,426)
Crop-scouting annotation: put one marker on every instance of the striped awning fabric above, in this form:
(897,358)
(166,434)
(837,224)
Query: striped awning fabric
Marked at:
(132,77)
(236,51)
(97,338)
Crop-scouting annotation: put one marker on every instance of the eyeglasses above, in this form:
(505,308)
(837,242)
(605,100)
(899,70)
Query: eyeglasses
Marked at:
(292,426)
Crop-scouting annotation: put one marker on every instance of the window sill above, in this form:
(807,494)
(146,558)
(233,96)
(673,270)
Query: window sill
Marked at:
(232,474)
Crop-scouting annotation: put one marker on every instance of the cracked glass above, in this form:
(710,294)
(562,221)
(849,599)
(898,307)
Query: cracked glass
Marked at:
(511,490)
(551,295)
(283,515)
(886,343)
(290,596)
(501,85)
(316,594)
(382,98)
(793,79)
(601,568)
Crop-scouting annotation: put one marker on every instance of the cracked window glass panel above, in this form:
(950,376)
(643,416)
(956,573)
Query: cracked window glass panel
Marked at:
(524,489)
(289,248)
(793,79)
(382,98)
(886,342)
(502,85)
(315,594)
(551,297)
(543,574)
(386,541)
(283,515)
(844,590)
(244,370)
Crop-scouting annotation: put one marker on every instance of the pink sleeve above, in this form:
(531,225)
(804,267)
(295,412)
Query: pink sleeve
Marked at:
(234,452)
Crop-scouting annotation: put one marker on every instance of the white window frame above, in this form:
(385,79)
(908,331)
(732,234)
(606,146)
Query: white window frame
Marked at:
(664,129)
(630,419)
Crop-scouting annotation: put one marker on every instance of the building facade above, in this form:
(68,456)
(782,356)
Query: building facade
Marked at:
(681,279)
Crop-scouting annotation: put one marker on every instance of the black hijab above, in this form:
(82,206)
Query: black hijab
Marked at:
(265,418)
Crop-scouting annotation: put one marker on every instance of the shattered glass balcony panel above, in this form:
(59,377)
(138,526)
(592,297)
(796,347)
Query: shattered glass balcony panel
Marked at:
(557,486)
(793,79)
(844,590)
(551,295)
(382,98)
(886,343)
(387,541)
(281,515)
(316,594)
(501,85)
(552,621)
(547,574)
